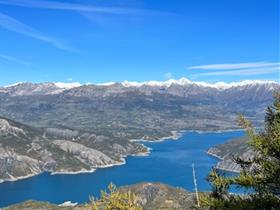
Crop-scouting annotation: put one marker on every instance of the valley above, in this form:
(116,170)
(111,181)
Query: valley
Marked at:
(49,129)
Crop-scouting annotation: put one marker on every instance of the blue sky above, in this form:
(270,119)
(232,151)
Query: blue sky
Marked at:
(138,40)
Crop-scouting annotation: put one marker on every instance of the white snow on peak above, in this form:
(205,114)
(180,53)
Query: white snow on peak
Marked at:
(184,81)
(223,85)
(106,84)
(61,85)
(167,83)
(67,85)
(12,85)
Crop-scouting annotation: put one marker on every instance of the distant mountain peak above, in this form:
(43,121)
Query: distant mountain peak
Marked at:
(14,84)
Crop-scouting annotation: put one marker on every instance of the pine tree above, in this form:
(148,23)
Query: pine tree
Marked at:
(260,174)
(114,199)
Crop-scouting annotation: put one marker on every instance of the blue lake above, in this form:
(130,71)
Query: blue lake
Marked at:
(170,162)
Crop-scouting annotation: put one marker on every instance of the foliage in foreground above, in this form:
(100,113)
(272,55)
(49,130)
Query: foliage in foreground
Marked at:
(260,174)
(115,200)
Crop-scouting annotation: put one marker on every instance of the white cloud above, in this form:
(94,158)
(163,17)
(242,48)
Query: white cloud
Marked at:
(234,66)
(15,60)
(74,7)
(14,25)
(237,69)
(168,75)
(242,72)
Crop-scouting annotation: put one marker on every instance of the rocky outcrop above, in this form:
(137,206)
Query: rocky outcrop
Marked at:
(227,151)
(6,128)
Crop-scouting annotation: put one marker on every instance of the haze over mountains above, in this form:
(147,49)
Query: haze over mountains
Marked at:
(71,127)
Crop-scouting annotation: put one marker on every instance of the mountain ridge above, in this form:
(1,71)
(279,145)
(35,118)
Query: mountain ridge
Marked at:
(134,112)
(181,82)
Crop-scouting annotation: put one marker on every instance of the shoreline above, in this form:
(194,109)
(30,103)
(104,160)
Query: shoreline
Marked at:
(214,155)
(227,170)
(178,133)
(18,178)
(72,172)
(214,131)
(52,173)
(175,136)
(220,159)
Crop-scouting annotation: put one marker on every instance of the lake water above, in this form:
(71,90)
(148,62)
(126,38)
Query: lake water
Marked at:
(170,162)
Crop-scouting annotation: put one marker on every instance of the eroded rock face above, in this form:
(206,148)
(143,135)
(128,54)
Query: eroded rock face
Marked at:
(6,128)
(88,156)
(62,133)
(26,151)
(15,166)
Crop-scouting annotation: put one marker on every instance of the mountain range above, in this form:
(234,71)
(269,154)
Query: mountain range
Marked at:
(136,108)
(70,128)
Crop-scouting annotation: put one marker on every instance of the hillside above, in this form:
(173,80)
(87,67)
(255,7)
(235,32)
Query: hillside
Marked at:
(150,195)
(26,151)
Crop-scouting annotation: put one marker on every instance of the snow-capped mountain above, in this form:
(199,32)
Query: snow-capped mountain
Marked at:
(131,109)
(184,82)
(48,88)
(178,87)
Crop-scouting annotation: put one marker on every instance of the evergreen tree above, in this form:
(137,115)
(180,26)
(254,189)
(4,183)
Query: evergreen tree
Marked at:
(114,199)
(260,174)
